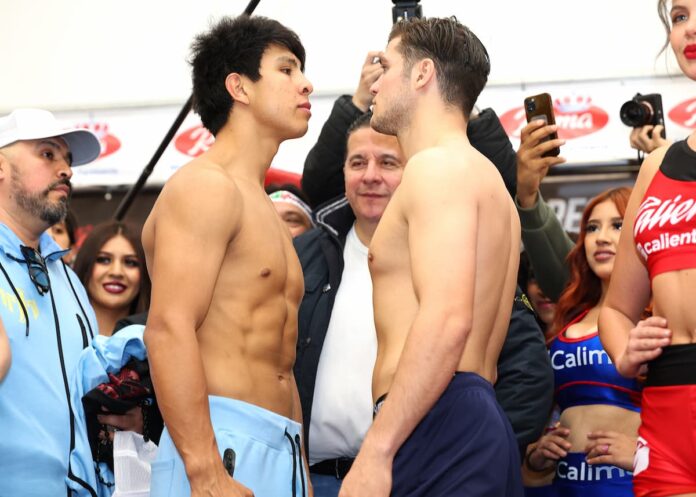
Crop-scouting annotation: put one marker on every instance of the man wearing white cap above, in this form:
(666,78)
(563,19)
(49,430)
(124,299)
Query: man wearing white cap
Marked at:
(44,309)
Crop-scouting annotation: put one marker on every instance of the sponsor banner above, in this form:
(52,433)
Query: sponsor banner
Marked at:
(684,113)
(575,116)
(109,142)
(129,138)
(587,114)
(194,141)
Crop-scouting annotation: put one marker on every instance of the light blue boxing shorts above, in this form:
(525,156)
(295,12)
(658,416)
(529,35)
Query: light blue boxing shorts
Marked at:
(267,448)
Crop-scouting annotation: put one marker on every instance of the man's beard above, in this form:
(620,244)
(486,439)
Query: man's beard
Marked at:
(38,204)
(393,119)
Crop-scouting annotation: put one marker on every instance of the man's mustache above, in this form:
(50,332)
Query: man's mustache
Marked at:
(64,181)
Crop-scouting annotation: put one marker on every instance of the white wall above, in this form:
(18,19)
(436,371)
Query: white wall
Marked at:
(82,54)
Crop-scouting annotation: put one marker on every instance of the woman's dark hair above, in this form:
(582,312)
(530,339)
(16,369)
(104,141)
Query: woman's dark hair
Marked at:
(71,226)
(92,245)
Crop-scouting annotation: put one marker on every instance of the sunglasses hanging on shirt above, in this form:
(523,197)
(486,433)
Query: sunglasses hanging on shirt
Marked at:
(36,265)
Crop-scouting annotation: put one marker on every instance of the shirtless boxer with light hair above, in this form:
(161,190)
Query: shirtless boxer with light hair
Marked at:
(226,282)
(443,259)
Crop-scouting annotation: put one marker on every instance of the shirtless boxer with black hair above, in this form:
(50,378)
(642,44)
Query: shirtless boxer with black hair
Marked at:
(226,282)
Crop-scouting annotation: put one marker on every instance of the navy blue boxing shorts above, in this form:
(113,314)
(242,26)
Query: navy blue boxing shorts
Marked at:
(464,446)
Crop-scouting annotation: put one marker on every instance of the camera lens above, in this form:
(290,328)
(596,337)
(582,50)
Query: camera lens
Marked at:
(531,106)
(635,114)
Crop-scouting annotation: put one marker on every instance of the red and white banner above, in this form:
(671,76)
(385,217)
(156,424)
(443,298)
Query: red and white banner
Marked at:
(587,114)
(129,138)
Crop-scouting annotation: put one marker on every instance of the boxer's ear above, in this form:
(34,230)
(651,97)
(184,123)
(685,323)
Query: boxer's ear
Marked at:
(234,84)
(423,73)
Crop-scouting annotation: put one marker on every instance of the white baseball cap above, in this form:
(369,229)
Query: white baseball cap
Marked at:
(34,124)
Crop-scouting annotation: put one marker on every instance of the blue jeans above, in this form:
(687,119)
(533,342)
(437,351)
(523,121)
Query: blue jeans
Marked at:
(325,485)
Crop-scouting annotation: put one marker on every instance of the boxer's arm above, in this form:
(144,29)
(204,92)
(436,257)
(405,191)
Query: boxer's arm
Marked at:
(196,219)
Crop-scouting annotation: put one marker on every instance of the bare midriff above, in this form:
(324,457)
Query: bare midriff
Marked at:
(673,294)
(582,420)
(248,336)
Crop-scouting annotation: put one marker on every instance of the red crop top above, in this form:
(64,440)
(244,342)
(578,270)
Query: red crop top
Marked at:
(665,226)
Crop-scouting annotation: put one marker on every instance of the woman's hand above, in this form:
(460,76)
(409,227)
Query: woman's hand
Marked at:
(610,447)
(645,343)
(550,448)
(648,138)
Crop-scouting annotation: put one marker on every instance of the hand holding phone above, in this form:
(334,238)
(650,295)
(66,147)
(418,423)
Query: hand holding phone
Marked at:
(541,107)
(538,151)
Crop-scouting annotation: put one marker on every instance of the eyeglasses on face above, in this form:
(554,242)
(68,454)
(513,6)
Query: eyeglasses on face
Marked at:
(36,266)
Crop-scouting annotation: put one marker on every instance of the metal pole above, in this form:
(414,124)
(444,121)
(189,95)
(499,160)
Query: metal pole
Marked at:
(138,185)
(125,204)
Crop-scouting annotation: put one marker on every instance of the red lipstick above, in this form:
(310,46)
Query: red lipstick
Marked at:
(690,52)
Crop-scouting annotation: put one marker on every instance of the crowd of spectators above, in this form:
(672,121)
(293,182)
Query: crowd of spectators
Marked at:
(572,394)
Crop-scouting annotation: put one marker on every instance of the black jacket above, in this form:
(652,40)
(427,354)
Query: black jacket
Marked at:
(525,380)
(322,178)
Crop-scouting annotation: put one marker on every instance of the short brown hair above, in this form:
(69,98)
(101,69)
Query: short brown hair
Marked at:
(461,61)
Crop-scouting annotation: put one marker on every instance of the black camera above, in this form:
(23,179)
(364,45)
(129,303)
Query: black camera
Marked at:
(406,9)
(643,110)
(531,105)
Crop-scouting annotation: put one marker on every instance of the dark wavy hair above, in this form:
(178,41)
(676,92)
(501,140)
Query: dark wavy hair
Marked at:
(233,45)
(461,61)
(71,226)
(584,288)
(92,245)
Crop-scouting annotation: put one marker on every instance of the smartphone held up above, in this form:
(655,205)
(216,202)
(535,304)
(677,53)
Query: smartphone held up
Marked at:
(541,107)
